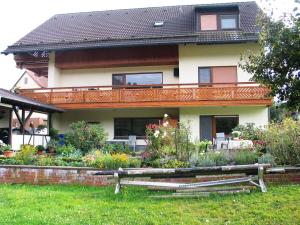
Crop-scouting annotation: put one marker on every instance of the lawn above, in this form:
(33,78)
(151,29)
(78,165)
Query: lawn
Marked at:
(26,204)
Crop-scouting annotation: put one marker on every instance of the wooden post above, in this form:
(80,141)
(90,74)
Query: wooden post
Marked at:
(260,179)
(22,126)
(49,122)
(118,183)
(10,127)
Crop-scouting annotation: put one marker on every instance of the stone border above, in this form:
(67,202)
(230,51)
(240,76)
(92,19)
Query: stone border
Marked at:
(42,175)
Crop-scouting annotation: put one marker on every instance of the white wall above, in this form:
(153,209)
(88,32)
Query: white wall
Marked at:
(106,117)
(102,76)
(30,82)
(53,72)
(193,56)
(247,114)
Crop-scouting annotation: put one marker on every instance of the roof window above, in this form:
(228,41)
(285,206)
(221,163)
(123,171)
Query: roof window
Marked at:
(159,23)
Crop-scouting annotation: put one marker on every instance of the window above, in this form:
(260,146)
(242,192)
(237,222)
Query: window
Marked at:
(225,124)
(26,80)
(204,75)
(228,21)
(208,22)
(217,21)
(123,127)
(137,79)
(218,74)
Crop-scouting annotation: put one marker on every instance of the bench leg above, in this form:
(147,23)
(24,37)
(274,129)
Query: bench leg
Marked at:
(260,179)
(118,183)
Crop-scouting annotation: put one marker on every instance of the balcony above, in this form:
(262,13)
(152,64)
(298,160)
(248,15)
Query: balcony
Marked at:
(167,95)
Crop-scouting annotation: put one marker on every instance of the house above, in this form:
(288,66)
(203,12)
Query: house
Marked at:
(29,80)
(127,68)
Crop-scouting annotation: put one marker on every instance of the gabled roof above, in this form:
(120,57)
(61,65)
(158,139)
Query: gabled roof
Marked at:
(133,27)
(8,97)
(41,81)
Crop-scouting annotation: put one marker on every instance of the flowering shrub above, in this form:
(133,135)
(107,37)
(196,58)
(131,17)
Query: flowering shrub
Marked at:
(110,161)
(159,135)
(164,140)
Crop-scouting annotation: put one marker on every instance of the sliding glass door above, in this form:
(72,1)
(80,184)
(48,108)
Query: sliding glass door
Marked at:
(210,125)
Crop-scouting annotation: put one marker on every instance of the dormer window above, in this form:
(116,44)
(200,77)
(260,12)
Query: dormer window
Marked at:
(228,21)
(158,23)
(215,18)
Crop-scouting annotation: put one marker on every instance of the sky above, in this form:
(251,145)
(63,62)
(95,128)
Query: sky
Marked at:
(17,18)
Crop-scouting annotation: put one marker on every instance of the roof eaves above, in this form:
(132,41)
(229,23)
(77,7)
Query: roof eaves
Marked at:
(125,43)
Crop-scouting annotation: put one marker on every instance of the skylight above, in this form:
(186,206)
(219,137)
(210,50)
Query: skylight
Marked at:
(159,23)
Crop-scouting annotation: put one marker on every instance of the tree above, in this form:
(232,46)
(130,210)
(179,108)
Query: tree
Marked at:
(277,65)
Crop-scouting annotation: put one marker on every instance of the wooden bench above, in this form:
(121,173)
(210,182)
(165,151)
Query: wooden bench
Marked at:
(252,174)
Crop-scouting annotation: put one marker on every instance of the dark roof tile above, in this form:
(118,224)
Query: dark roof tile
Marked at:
(132,27)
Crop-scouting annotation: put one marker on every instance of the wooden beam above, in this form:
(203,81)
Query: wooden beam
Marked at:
(18,115)
(28,117)
(262,102)
(117,57)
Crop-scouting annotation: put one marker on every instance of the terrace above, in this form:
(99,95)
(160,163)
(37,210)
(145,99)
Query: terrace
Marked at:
(166,95)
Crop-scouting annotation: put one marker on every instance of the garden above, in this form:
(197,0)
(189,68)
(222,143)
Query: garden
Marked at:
(85,145)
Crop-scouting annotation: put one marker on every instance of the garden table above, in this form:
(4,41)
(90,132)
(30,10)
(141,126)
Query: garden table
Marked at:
(236,144)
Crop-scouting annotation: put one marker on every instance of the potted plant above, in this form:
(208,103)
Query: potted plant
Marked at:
(51,146)
(40,149)
(236,135)
(6,149)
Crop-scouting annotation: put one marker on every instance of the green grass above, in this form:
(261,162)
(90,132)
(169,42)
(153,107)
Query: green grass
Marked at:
(26,204)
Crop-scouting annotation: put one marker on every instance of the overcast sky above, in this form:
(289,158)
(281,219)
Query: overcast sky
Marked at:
(17,18)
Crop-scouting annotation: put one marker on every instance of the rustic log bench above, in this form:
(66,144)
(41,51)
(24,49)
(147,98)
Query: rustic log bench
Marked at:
(253,174)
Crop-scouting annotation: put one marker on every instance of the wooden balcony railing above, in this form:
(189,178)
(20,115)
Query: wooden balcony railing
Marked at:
(154,95)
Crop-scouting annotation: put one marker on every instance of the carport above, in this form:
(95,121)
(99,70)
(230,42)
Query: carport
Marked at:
(23,108)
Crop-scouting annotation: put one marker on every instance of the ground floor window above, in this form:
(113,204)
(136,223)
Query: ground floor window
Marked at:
(124,127)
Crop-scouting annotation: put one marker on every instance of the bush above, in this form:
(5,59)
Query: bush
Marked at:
(243,157)
(135,163)
(206,162)
(52,144)
(86,136)
(45,160)
(26,155)
(220,158)
(116,148)
(9,161)
(174,163)
(249,131)
(108,161)
(283,142)
(267,158)
(65,149)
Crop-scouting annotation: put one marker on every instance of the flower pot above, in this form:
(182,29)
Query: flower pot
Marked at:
(51,150)
(40,152)
(8,154)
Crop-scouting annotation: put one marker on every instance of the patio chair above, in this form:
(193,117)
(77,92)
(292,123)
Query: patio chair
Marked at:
(132,141)
(219,141)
